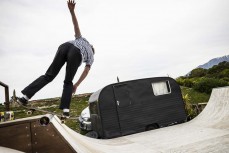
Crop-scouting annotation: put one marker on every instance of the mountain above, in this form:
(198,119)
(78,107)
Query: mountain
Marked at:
(214,61)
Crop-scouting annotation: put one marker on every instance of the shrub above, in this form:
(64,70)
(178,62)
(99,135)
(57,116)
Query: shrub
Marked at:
(216,69)
(224,73)
(180,80)
(206,84)
(198,72)
(225,79)
(188,83)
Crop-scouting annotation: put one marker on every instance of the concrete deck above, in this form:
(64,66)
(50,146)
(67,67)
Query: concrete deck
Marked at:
(208,132)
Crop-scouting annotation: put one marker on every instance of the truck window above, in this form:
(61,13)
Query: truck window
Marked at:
(93,108)
(161,88)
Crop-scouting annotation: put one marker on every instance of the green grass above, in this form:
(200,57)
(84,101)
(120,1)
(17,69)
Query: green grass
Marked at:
(195,96)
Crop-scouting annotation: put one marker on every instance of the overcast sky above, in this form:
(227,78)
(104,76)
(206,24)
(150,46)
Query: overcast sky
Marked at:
(132,39)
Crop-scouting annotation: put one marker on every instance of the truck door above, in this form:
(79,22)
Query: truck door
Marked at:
(123,105)
(122,95)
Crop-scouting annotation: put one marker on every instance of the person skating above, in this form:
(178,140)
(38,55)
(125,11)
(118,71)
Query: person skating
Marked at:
(73,53)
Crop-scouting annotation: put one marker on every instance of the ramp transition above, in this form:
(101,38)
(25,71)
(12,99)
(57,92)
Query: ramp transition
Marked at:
(208,132)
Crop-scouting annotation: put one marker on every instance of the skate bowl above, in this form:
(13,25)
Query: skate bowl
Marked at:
(208,132)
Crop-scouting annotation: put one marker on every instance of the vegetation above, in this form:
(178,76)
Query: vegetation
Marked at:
(191,98)
(194,97)
(197,86)
(204,80)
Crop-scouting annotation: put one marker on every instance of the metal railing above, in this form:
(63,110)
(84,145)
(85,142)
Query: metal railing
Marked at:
(7,102)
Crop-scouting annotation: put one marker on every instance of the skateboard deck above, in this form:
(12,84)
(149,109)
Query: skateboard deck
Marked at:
(33,109)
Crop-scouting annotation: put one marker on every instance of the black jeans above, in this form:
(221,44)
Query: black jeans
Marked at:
(66,53)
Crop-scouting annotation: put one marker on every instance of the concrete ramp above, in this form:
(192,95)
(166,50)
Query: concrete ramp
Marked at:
(208,132)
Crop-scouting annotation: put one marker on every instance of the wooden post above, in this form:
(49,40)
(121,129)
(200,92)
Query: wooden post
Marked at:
(7,102)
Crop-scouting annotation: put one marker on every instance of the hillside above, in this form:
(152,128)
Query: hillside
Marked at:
(204,80)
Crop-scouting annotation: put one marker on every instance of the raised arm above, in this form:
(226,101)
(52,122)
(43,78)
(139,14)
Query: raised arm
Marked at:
(71,6)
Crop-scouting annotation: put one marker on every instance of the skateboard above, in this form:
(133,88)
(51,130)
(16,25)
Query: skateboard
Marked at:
(33,109)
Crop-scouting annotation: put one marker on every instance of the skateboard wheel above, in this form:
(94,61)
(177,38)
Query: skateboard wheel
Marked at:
(44,121)
(29,112)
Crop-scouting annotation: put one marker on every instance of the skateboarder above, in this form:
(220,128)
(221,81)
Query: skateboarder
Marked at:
(73,53)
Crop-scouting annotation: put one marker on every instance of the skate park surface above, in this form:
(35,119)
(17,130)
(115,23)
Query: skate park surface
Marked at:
(208,132)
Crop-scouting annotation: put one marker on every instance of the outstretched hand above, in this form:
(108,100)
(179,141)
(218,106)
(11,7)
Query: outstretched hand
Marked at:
(74,89)
(71,5)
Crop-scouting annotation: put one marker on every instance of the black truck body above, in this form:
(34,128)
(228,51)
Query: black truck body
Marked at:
(135,106)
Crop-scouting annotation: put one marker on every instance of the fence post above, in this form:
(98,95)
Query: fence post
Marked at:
(7,102)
